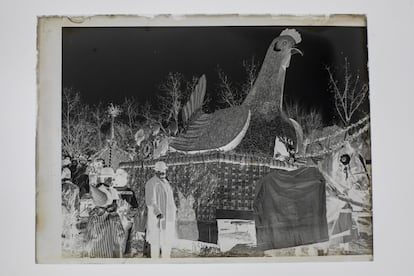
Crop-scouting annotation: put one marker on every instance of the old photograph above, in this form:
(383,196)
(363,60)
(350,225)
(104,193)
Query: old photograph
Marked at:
(214,140)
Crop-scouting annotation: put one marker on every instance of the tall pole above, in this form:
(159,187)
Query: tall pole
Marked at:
(112,128)
(113,112)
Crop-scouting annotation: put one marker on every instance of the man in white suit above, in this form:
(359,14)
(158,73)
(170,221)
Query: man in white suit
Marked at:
(159,198)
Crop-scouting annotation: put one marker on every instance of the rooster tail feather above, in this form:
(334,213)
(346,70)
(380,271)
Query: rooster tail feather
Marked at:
(196,100)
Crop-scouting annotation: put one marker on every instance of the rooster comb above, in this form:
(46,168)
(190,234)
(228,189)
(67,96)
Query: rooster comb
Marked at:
(292,33)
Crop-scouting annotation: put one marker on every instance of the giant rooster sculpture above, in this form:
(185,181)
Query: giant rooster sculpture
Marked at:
(226,129)
(265,100)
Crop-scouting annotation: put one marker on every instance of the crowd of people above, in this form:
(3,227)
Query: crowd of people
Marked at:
(113,210)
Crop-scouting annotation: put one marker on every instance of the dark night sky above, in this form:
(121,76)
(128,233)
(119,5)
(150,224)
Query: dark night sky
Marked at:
(109,64)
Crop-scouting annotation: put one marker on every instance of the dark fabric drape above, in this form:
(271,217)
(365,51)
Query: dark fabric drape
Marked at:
(290,209)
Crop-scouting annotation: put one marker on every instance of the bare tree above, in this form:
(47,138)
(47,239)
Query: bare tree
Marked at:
(70,102)
(308,119)
(131,111)
(76,128)
(349,93)
(251,67)
(229,94)
(151,116)
(99,117)
(171,96)
(233,94)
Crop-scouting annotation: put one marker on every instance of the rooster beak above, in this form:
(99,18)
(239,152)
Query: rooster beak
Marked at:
(296,51)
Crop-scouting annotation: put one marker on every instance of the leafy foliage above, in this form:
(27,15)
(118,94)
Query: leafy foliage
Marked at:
(198,182)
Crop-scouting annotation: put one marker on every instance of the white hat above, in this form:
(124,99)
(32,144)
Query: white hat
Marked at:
(106,172)
(66,162)
(160,166)
(66,174)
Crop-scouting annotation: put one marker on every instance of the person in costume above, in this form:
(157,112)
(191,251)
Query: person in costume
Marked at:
(159,199)
(104,233)
(81,178)
(70,209)
(127,206)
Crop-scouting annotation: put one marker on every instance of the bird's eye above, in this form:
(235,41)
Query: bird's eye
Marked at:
(280,45)
(345,159)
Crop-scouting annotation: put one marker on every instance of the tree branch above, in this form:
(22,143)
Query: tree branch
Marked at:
(347,101)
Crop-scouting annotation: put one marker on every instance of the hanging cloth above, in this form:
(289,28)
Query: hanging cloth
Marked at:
(290,209)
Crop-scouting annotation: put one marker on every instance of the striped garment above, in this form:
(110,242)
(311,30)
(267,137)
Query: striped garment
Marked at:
(104,234)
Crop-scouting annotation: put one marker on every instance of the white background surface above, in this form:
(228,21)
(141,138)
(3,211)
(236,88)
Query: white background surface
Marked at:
(391,42)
